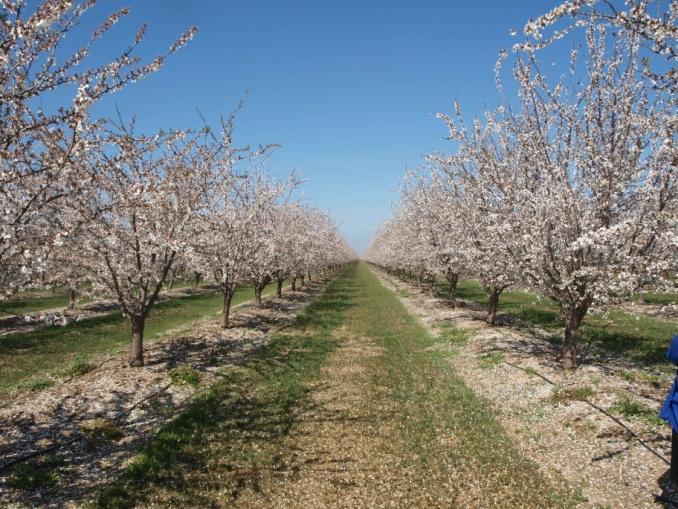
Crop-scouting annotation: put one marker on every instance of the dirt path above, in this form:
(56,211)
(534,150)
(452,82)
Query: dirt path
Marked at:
(355,405)
(339,454)
(555,423)
(389,426)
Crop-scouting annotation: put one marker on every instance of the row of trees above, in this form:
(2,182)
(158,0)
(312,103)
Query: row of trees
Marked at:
(569,190)
(98,207)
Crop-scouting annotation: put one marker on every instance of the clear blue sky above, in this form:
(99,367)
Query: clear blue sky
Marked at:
(348,88)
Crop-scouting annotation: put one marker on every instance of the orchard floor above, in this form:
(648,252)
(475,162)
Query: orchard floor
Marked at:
(86,428)
(371,396)
(596,426)
(353,405)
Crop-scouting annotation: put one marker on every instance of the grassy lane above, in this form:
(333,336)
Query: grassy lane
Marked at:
(35,359)
(640,339)
(354,405)
(461,453)
(22,305)
(31,301)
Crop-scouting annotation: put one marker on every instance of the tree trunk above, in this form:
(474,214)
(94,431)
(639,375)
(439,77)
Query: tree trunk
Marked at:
(493,305)
(196,279)
(301,281)
(573,318)
(226,310)
(430,287)
(72,298)
(452,279)
(136,357)
(309,275)
(294,284)
(278,290)
(257,294)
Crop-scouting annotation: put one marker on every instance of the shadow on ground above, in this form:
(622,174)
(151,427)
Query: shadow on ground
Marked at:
(88,429)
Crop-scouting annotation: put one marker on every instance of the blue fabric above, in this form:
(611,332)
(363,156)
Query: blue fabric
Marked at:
(669,411)
(672,354)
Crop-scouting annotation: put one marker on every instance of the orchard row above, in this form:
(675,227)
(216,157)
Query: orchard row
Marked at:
(570,189)
(94,205)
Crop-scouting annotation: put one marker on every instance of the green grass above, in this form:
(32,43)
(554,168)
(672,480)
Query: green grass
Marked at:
(29,359)
(40,473)
(661,299)
(434,402)
(101,429)
(23,305)
(233,427)
(629,407)
(562,395)
(640,339)
(490,360)
(41,299)
(185,375)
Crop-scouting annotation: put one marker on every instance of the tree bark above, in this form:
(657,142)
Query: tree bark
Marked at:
(294,284)
(196,279)
(226,310)
(72,298)
(452,279)
(493,305)
(309,275)
(301,281)
(257,293)
(573,318)
(278,290)
(136,357)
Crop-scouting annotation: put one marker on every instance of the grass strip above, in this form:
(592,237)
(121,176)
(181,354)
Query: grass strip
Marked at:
(34,360)
(449,435)
(640,339)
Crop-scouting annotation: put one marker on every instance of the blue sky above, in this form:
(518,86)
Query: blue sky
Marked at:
(348,88)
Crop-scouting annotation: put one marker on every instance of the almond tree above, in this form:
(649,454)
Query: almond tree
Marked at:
(288,242)
(137,216)
(63,266)
(264,262)
(237,225)
(42,151)
(651,22)
(305,240)
(429,197)
(599,213)
(575,193)
(483,175)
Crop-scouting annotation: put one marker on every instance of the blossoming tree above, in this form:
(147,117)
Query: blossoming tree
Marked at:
(42,150)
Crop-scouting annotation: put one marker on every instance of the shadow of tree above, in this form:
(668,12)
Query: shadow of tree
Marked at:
(619,338)
(138,401)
